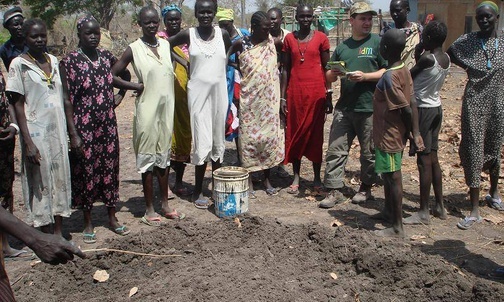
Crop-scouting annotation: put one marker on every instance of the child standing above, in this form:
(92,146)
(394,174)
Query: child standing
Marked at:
(428,76)
(392,123)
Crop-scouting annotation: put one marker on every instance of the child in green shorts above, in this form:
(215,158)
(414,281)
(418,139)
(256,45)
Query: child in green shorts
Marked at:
(392,124)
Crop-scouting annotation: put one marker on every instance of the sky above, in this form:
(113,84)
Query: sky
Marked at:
(377,4)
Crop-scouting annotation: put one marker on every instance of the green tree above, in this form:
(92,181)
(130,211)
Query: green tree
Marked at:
(313,3)
(102,10)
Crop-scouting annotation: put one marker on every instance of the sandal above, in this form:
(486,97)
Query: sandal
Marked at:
(175,215)
(293,189)
(89,238)
(468,222)
(494,203)
(122,230)
(272,191)
(201,203)
(152,221)
(318,191)
(183,191)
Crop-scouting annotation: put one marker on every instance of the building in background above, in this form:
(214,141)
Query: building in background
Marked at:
(457,14)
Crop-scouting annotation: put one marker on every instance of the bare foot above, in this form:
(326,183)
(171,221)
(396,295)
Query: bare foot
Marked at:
(382,216)
(440,212)
(417,218)
(389,232)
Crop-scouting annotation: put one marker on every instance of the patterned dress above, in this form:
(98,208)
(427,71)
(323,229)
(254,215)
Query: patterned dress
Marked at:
(6,152)
(482,104)
(96,175)
(260,139)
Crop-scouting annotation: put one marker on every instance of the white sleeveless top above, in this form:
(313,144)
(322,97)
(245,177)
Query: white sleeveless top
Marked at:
(428,83)
(207,97)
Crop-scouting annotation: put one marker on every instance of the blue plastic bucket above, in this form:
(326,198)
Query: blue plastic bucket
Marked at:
(230,191)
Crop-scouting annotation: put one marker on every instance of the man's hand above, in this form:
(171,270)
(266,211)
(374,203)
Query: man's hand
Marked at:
(53,249)
(356,76)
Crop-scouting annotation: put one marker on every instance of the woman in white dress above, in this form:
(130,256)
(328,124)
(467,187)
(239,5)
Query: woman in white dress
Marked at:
(34,85)
(154,105)
(206,91)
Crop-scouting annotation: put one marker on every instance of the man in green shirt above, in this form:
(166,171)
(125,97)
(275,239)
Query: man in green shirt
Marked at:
(353,113)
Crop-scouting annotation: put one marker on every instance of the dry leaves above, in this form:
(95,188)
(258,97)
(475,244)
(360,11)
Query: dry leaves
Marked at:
(101,276)
(237,221)
(334,276)
(417,237)
(494,219)
(133,291)
(336,223)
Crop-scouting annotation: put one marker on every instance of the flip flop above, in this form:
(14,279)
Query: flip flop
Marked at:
(152,221)
(175,215)
(122,230)
(20,255)
(183,191)
(318,191)
(89,238)
(494,203)
(468,222)
(171,195)
(201,203)
(293,189)
(272,191)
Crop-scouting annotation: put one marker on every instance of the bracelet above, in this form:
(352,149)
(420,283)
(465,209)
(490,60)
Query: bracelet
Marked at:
(282,99)
(15,127)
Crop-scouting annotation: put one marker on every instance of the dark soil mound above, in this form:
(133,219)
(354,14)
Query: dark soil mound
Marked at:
(263,260)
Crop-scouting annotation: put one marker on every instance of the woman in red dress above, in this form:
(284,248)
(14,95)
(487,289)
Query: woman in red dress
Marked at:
(305,99)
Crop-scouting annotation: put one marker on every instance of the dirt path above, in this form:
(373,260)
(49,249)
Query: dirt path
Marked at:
(286,247)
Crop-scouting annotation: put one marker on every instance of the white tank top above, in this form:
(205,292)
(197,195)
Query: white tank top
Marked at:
(428,83)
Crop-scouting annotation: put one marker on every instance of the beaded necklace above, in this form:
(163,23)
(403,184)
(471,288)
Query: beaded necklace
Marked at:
(48,77)
(94,63)
(151,45)
(307,39)
(487,57)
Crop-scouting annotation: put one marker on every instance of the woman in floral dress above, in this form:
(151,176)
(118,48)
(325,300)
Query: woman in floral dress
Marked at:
(87,81)
(260,139)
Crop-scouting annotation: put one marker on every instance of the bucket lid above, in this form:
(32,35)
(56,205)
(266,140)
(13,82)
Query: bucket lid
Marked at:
(230,171)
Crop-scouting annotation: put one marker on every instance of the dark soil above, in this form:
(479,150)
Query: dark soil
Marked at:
(263,260)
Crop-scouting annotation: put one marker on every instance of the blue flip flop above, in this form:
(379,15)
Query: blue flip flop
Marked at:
(494,203)
(468,222)
(201,203)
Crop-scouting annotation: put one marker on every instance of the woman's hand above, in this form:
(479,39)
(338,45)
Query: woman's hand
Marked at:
(283,111)
(76,145)
(139,89)
(283,106)
(118,99)
(33,154)
(328,103)
(7,133)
